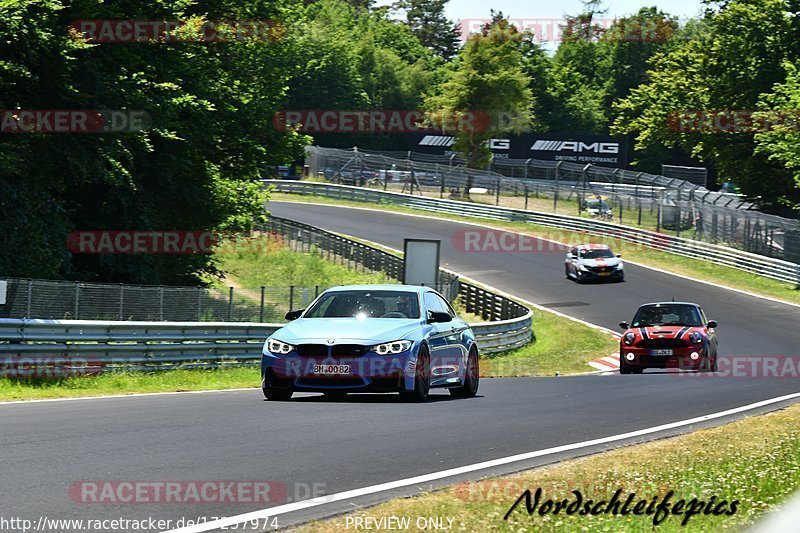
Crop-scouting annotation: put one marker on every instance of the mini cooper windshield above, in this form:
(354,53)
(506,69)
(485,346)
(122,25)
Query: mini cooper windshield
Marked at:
(365,304)
(667,315)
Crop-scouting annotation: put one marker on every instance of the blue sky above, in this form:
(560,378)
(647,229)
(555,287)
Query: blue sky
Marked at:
(532,9)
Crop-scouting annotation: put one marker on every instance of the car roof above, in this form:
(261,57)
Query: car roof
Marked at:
(384,287)
(593,247)
(669,303)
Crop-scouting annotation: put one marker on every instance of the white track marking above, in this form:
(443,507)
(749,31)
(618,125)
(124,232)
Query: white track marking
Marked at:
(443,474)
(483,225)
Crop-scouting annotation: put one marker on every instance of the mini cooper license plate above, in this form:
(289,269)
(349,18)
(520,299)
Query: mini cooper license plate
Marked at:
(332,370)
(661,352)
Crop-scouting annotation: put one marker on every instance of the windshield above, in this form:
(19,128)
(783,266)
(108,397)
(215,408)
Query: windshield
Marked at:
(365,304)
(667,315)
(596,254)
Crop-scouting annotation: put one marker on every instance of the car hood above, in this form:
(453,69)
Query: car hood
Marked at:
(611,261)
(346,330)
(667,332)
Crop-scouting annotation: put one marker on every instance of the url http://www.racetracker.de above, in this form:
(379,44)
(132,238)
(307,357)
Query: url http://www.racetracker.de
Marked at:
(44,523)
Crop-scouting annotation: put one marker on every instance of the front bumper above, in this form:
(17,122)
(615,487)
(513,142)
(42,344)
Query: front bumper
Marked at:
(367,373)
(613,275)
(681,357)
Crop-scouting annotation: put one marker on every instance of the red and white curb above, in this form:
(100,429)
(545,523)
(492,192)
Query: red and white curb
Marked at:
(608,364)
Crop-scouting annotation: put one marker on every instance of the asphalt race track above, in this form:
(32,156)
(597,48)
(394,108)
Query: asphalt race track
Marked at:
(309,444)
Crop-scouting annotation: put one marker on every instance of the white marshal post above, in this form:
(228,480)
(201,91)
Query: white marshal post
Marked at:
(421,262)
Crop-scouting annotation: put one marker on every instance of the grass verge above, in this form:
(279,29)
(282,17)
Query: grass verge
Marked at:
(129,383)
(268,262)
(754,461)
(676,264)
(560,345)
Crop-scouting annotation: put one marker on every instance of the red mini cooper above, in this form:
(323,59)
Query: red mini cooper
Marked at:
(668,335)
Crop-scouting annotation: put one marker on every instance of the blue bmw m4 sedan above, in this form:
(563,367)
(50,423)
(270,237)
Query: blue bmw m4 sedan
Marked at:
(372,338)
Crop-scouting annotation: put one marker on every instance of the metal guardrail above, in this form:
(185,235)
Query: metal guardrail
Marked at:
(72,346)
(767,267)
(77,347)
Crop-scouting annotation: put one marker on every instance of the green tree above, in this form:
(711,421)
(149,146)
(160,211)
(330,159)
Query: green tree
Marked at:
(429,24)
(741,57)
(196,168)
(487,77)
(781,144)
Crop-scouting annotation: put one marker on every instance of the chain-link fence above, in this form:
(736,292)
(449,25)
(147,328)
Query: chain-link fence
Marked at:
(658,203)
(28,298)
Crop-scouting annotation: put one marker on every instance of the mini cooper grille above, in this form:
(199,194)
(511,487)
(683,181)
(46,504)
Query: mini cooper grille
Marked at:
(662,343)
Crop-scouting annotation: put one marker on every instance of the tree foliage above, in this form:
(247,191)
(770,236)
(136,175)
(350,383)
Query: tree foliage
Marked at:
(487,77)
(734,66)
(429,24)
(211,106)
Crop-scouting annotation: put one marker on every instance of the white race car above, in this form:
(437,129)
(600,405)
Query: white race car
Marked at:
(593,262)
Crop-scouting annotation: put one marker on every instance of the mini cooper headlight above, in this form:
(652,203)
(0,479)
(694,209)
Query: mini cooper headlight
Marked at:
(696,337)
(629,338)
(392,348)
(279,347)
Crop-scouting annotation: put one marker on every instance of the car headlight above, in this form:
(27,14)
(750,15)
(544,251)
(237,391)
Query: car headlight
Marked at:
(278,347)
(629,338)
(619,266)
(392,348)
(696,337)
(581,266)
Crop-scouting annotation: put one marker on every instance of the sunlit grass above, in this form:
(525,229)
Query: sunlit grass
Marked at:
(755,461)
(110,383)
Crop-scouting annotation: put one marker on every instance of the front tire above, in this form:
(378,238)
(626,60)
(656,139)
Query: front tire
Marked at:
(471,378)
(422,378)
(709,364)
(277,395)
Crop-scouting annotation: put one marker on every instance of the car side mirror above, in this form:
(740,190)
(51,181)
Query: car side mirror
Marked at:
(619,255)
(624,325)
(435,317)
(712,324)
(294,315)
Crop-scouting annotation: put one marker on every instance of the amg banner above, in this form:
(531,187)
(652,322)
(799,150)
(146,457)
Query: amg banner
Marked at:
(595,149)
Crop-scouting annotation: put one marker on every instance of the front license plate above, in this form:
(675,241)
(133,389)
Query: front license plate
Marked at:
(332,370)
(604,273)
(661,352)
